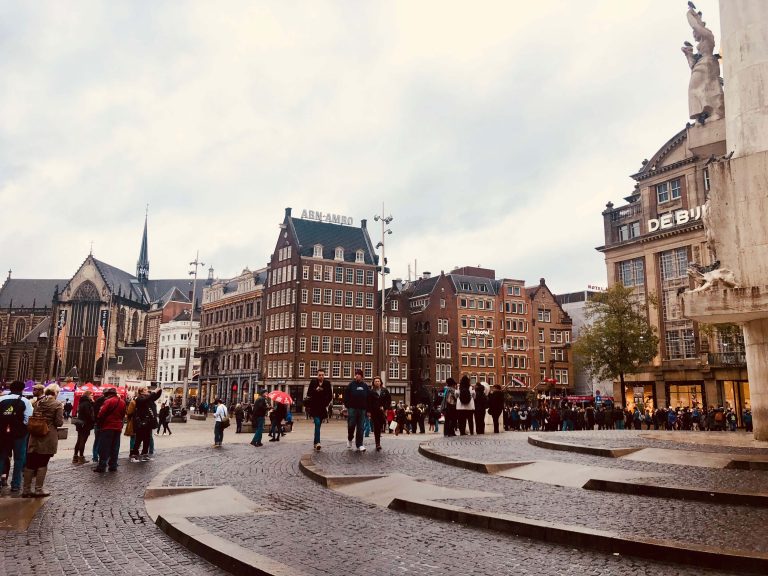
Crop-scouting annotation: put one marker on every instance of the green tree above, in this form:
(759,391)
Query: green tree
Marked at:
(617,339)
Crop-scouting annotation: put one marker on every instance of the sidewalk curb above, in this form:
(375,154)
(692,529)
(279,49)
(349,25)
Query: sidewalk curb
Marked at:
(311,471)
(578,536)
(714,497)
(581,449)
(483,467)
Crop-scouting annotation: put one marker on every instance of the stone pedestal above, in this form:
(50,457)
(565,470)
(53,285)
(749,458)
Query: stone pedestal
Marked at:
(756,341)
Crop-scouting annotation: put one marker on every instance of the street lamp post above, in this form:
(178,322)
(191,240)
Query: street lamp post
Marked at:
(385,221)
(196,263)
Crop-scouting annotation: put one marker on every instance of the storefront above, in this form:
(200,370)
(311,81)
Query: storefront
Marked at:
(686,395)
(734,394)
(642,395)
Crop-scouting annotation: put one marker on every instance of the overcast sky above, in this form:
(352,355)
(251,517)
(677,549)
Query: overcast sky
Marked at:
(493,132)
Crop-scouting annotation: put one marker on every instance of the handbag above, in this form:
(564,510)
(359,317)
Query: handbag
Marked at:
(393,425)
(77,422)
(37,426)
(225,422)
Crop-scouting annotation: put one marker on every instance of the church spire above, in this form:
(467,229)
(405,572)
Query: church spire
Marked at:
(142,266)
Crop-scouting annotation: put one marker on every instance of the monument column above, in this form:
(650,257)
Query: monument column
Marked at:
(738,200)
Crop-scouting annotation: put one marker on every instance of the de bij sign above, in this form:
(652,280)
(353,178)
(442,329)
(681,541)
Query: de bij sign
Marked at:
(676,218)
(327,217)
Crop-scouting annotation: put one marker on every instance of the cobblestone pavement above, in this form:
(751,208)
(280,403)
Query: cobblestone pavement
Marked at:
(97,524)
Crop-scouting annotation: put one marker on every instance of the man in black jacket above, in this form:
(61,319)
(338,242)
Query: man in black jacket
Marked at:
(356,402)
(319,396)
(144,421)
(259,413)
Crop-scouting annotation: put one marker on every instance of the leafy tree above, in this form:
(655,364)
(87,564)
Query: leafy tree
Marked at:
(617,339)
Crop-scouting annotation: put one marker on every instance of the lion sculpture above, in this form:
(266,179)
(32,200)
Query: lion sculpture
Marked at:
(707,277)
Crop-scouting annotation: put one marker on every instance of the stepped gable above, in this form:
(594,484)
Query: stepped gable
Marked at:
(331,236)
(24,293)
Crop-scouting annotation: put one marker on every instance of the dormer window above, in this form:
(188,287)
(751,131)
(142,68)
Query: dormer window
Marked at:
(359,256)
(339,254)
(318,251)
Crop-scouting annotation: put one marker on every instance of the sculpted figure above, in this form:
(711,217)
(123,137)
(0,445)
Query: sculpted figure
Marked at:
(708,277)
(705,93)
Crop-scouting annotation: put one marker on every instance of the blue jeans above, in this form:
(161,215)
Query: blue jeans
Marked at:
(355,422)
(367,427)
(19,449)
(95,451)
(109,448)
(259,430)
(218,433)
(318,423)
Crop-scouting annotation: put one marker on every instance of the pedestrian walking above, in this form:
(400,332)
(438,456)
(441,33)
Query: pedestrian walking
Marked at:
(319,396)
(379,400)
(221,421)
(481,404)
(259,413)
(15,411)
(164,418)
(496,405)
(43,443)
(356,402)
(239,417)
(84,422)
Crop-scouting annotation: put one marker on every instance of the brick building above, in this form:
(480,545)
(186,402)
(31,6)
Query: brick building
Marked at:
(320,305)
(230,343)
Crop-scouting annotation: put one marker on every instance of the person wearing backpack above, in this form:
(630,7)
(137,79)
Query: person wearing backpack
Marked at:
(43,444)
(15,411)
(356,402)
(449,407)
(465,407)
(144,421)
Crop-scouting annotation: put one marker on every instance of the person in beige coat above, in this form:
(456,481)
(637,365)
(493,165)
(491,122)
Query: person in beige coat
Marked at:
(42,448)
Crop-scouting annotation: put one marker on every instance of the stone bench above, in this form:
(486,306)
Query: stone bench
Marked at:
(198,416)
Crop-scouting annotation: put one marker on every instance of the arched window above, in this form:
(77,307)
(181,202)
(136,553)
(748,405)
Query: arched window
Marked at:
(23,367)
(121,325)
(317,251)
(20,330)
(339,253)
(134,327)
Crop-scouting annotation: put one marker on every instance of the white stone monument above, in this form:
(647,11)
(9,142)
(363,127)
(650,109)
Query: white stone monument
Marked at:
(737,210)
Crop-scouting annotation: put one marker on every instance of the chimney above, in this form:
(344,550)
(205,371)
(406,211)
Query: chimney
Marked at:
(542,282)
(363,223)
(426,275)
(288,212)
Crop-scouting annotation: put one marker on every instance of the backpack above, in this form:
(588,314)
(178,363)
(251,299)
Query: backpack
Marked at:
(719,417)
(12,418)
(450,398)
(465,395)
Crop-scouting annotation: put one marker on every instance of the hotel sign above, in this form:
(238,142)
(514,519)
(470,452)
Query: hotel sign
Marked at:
(675,218)
(479,332)
(327,217)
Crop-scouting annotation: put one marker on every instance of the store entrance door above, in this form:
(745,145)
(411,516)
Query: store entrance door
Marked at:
(735,394)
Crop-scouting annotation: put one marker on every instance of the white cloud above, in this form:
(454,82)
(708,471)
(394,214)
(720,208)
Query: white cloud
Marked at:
(494,132)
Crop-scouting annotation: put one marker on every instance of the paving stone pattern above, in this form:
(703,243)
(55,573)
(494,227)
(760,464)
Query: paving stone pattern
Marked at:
(323,532)
(727,526)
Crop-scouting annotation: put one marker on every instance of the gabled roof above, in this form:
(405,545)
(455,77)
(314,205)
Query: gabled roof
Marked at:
(423,286)
(121,282)
(183,316)
(133,359)
(39,331)
(331,236)
(173,295)
(24,293)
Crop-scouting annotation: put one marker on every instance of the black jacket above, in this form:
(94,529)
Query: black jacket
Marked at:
(356,395)
(481,400)
(378,404)
(496,402)
(259,408)
(318,398)
(85,413)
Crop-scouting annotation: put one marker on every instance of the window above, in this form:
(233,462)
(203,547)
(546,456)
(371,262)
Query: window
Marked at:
(328,274)
(545,315)
(337,345)
(631,272)
(318,251)
(317,295)
(339,254)
(359,256)
(348,298)
(303,320)
(629,231)
(314,344)
(326,345)
(302,344)
(541,334)
(327,297)
(393,305)
(680,343)
(673,263)
(667,191)
(347,345)
(394,324)
(369,300)
(327,320)
(315,319)
(360,277)
(338,322)
(349,274)
(369,278)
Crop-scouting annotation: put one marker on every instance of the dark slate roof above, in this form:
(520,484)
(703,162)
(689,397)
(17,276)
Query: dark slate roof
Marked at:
(41,330)
(173,295)
(331,236)
(183,316)
(133,359)
(121,282)
(24,293)
(156,289)
(424,286)
(474,283)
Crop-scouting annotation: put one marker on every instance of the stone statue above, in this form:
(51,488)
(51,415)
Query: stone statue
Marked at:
(705,92)
(709,277)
